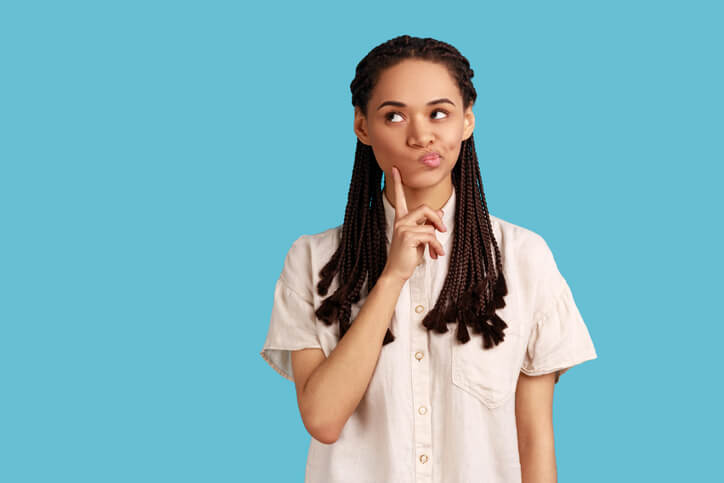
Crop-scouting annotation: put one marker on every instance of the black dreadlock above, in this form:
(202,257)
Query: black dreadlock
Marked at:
(474,287)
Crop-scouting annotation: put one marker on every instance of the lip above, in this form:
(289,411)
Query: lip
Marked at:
(431,159)
(432,154)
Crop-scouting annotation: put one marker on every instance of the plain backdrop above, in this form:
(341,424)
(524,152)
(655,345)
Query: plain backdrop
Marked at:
(157,160)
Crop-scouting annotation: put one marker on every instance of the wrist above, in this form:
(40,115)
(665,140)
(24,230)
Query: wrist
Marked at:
(391,280)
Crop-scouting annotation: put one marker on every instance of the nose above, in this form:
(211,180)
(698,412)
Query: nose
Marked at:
(420,133)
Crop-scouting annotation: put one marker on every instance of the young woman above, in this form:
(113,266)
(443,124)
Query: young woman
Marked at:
(424,335)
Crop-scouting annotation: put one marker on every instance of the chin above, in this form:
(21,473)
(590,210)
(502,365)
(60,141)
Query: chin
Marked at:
(425,177)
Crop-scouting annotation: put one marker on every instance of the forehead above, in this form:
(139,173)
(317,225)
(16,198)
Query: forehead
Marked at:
(415,81)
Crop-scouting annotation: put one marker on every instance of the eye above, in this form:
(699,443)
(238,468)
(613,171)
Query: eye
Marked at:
(441,110)
(390,114)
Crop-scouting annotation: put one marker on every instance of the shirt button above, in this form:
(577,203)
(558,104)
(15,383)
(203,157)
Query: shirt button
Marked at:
(419,309)
(422,410)
(423,458)
(419,355)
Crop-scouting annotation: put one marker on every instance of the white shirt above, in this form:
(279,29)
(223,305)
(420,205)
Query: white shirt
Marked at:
(435,411)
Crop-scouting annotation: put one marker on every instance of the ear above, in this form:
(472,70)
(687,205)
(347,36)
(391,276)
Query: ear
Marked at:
(360,127)
(469,123)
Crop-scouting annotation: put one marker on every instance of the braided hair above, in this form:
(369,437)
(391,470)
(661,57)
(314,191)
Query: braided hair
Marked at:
(474,287)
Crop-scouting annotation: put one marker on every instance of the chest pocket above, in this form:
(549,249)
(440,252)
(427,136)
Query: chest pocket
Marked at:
(489,375)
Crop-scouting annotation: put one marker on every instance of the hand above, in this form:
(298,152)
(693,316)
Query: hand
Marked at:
(409,237)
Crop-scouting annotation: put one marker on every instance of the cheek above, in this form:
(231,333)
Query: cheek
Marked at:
(383,158)
(383,140)
(453,141)
(453,149)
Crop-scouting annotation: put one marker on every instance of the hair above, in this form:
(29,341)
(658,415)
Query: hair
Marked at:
(474,287)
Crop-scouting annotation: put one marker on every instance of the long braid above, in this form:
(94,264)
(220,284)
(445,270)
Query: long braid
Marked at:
(475,286)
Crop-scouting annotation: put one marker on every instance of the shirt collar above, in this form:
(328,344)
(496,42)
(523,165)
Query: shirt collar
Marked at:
(448,218)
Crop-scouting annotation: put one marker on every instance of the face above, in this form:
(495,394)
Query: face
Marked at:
(415,108)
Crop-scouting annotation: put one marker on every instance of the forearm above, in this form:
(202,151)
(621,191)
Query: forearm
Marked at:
(538,458)
(337,385)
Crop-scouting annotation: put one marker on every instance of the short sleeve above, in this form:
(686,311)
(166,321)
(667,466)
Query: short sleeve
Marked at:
(292,324)
(559,338)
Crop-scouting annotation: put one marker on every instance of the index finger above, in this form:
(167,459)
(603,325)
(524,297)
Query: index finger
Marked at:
(400,201)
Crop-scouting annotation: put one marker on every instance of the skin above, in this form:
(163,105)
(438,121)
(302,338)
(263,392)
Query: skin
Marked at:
(534,421)
(399,135)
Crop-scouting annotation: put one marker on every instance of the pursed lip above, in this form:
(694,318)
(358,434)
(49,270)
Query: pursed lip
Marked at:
(430,155)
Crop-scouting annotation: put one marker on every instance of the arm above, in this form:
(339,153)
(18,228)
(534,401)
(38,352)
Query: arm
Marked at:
(329,396)
(534,418)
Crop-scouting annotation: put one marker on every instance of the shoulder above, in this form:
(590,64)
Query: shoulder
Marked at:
(531,273)
(308,247)
(518,240)
(306,256)
(527,257)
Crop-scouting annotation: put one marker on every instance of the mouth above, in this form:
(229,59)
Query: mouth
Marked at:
(431,159)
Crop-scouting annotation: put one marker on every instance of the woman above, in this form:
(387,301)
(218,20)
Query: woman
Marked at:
(362,311)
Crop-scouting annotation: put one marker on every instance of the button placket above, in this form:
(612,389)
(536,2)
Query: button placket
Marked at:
(419,304)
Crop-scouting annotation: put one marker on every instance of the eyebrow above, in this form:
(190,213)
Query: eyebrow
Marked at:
(400,104)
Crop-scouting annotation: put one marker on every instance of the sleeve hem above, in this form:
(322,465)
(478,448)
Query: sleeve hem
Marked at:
(276,368)
(558,366)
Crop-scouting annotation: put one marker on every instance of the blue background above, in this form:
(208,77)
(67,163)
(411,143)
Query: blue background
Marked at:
(159,158)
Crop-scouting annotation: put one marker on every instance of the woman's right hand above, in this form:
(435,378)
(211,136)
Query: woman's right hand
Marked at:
(411,234)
